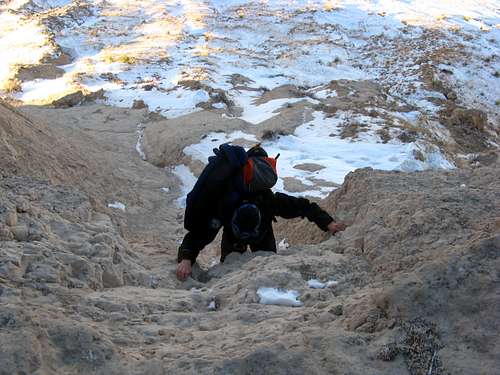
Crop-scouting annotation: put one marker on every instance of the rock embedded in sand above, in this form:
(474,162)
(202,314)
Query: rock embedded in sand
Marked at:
(43,71)
(139,104)
(69,100)
(77,98)
(294,185)
(22,205)
(20,232)
(11,218)
(309,167)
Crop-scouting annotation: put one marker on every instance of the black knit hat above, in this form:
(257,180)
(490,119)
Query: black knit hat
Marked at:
(246,222)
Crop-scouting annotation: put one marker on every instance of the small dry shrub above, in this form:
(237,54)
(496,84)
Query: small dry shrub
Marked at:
(12,85)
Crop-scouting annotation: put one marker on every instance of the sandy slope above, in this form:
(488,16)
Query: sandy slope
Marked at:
(88,289)
(331,85)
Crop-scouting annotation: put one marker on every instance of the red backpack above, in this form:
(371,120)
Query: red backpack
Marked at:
(259,172)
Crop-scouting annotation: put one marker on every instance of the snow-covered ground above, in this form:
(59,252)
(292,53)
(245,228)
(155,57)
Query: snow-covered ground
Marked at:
(316,143)
(173,54)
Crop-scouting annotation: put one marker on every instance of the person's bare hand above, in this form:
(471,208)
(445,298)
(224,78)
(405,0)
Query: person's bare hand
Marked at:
(184,269)
(336,227)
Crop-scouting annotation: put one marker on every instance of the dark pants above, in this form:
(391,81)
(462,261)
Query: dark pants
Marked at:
(230,244)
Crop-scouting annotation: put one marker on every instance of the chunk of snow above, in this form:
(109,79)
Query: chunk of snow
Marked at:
(138,145)
(283,245)
(219,105)
(282,297)
(117,205)
(316,284)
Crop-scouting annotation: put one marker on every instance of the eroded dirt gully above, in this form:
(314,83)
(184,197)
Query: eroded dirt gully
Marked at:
(89,289)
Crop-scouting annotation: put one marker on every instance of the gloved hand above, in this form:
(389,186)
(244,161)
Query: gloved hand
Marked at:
(336,227)
(184,269)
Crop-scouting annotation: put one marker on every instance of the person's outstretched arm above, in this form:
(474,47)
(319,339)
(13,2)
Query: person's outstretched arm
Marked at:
(189,250)
(289,207)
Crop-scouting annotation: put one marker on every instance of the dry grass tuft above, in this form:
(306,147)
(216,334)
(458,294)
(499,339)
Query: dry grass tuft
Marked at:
(121,58)
(12,85)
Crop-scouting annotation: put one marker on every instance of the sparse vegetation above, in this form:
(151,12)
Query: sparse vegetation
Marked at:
(121,58)
(335,61)
(407,136)
(384,135)
(272,135)
(352,129)
(12,85)
(418,155)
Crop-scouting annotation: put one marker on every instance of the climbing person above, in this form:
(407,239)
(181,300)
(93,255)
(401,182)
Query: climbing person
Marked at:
(234,192)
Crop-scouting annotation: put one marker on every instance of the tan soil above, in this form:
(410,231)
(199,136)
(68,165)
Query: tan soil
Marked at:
(85,289)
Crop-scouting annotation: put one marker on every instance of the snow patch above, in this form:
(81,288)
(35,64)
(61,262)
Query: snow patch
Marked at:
(204,149)
(275,296)
(117,205)
(318,142)
(188,179)
(316,284)
(256,114)
(283,245)
(212,306)
(138,145)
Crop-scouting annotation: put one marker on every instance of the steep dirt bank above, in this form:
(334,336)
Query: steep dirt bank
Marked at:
(87,289)
(28,149)
(106,137)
